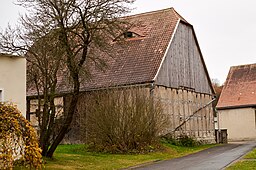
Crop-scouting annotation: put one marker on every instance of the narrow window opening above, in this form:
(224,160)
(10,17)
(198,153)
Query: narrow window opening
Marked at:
(128,34)
(255,117)
(1,96)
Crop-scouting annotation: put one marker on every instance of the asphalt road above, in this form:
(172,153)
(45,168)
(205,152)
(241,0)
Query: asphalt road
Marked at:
(211,159)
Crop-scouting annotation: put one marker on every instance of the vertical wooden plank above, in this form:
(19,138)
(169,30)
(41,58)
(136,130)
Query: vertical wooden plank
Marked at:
(199,116)
(176,106)
(186,103)
(190,60)
(192,109)
(181,109)
(173,108)
(190,113)
(168,107)
(187,67)
(169,103)
(184,109)
(202,115)
(205,115)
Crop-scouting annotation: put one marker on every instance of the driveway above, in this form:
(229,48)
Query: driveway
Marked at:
(211,159)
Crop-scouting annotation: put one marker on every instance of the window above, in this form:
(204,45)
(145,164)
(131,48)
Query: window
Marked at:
(1,95)
(128,34)
(255,117)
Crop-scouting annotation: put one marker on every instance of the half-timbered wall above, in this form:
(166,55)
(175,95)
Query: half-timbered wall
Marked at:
(183,65)
(179,104)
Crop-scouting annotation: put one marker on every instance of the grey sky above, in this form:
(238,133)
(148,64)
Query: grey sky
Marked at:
(226,29)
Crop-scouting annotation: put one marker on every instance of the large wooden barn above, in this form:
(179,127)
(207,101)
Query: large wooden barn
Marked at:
(161,55)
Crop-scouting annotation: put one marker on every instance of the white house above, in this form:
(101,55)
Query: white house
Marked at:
(13,81)
(237,103)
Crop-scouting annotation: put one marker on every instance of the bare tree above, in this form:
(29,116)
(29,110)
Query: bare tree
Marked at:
(44,62)
(62,33)
(218,89)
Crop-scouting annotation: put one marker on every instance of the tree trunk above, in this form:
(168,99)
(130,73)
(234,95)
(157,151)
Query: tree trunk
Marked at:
(68,119)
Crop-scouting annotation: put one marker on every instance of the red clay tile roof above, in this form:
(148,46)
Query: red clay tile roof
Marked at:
(138,59)
(240,88)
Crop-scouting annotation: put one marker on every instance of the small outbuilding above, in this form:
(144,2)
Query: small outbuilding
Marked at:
(237,103)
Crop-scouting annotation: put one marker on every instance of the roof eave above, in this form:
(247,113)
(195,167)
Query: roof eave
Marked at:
(236,107)
(202,58)
(139,84)
(10,55)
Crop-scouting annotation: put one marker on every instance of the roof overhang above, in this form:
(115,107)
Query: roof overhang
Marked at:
(63,93)
(237,107)
(10,55)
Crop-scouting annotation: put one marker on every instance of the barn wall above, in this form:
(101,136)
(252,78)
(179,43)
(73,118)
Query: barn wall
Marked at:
(79,130)
(183,65)
(179,104)
(240,123)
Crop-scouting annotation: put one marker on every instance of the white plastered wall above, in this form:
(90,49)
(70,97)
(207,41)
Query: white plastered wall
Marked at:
(240,123)
(13,81)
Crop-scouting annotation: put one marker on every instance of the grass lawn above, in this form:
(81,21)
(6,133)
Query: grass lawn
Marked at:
(248,162)
(71,157)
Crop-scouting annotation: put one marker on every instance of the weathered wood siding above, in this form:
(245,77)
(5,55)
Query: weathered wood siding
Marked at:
(179,104)
(183,65)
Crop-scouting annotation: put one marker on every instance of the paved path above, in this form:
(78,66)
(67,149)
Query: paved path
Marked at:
(211,159)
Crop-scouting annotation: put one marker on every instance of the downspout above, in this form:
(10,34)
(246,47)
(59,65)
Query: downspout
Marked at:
(218,123)
(151,90)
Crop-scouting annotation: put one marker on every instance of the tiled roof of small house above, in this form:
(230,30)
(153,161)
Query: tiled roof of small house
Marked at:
(240,88)
(138,59)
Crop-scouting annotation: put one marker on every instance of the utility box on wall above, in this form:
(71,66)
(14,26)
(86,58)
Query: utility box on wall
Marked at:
(221,136)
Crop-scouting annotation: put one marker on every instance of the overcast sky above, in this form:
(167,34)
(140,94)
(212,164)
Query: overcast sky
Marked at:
(226,29)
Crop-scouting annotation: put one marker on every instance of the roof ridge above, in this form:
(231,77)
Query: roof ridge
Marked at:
(179,16)
(149,12)
(242,65)
(158,11)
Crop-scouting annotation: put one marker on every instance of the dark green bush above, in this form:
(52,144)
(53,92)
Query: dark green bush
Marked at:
(187,141)
(182,140)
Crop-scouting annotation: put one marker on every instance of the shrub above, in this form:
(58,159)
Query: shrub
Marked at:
(18,141)
(182,140)
(124,121)
(187,141)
